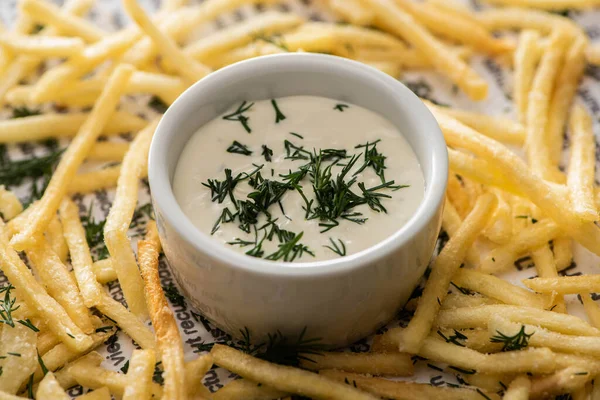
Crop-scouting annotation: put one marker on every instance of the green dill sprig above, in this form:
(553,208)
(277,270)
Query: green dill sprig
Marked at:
(23,112)
(290,250)
(94,234)
(454,339)
(7,306)
(238,115)
(340,107)
(340,249)
(174,296)
(13,173)
(267,153)
(372,158)
(297,135)
(511,343)
(238,148)
(158,105)
(279,116)
(293,152)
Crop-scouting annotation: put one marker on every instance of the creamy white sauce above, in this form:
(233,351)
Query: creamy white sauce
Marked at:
(322,126)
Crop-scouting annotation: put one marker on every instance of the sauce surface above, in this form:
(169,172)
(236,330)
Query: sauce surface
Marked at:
(299,179)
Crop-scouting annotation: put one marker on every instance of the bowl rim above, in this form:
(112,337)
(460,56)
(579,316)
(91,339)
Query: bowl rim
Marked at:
(162,191)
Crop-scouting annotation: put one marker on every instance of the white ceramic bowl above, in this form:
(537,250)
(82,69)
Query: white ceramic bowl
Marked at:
(338,300)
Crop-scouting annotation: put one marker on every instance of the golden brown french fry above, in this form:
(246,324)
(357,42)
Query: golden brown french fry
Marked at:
(537,143)
(356,36)
(478,170)
(286,379)
(582,165)
(10,206)
(39,127)
(526,58)
(545,264)
(455,7)
(479,317)
(408,58)
(392,364)
(168,342)
(404,390)
(252,50)
(49,388)
(19,359)
(565,284)
(564,93)
(442,271)
(119,219)
(392,18)
(194,372)
(89,182)
(187,67)
(243,389)
(73,157)
(555,5)
(499,289)
(352,11)
(50,14)
(139,375)
(104,271)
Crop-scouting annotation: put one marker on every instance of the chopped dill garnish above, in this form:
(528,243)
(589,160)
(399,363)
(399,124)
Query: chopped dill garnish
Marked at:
(454,339)
(13,354)
(14,173)
(290,250)
(267,153)
(158,105)
(36,29)
(28,324)
(22,112)
(238,148)
(7,306)
(339,250)
(42,365)
(279,116)
(293,152)
(373,159)
(340,107)
(297,135)
(238,115)
(511,343)
(94,234)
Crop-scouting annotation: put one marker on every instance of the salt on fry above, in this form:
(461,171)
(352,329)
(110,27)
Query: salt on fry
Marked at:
(459,300)
(526,58)
(168,342)
(518,389)
(56,240)
(391,364)
(499,229)
(545,265)
(442,271)
(10,206)
(19,361)
(194,372)
(99,394)
(565,284)
(139,375)
(563,252)
(96,377)
(582,165)
(64,377)
(73,157)
(49,388)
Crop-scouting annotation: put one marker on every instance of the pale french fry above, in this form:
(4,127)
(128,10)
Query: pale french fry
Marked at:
(19,359)
(250,51)
(357,36)
(545,264)
(104,271)
(55,237)
(442,271)
(556,5)
(194,372)
(526,58)
(392,69)
(457,195)
(592,310)
(59,78)
(119,219)
(99,394)
(404,25)
(564,93)
(451,222)
(565,284)
(50,14)
(582,165)
(95,377)
(352,11)
(519,389)
(89,182)
(243,389)
(187,67)
(458,300)
(494,383)
(59,283)
(563,252)
(64,377)
(517,18)
(498,289)
(139,375)
(455,7)
(47,126)
(476,169)
(168,342)
(283,378)
(73,157)
(479,317)
(540,193)
(10,206)
(537,143)
(500,228)
(36,296)
(108,151)
(42,46)
(404,390)
(392,364)
(49,388)
(592,54)
(307,39)
(409,58)
(46,340)
(455,27)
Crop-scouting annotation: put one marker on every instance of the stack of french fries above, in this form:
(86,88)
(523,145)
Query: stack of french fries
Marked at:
(513,340)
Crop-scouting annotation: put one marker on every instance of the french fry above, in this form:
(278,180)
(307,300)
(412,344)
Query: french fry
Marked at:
(494,383)
(352,11)
(478,170)
(537,143)
(55,238)
(19,359)
(139,375)
(59,284)
(391,17)
(545,264)
(408,58)
(10,206)
(526,58)
(499,289)
(108,151)
(458,300)
(194,372)
(356,36)
(104,271)
(561,382)
(50,14)
(119,219)
(42,46)
(187,67)
(95,377)
(37,298)
(47,126)
(243,53)
(89,182)
(454,27)
(64,377)
(564,93)
(283,378)
(392,364)
(451,222)
(455,7)
(555,5)
(519,389)
(49,388)
(479,317)
(592,310)
(443,268)
(565,284)
(73,157)
(517,18)
(404,390)
(99,394)
(168,341)
(563,252)
(500,228)
(243,389)
(46,341)
(582,165)
(392,69)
